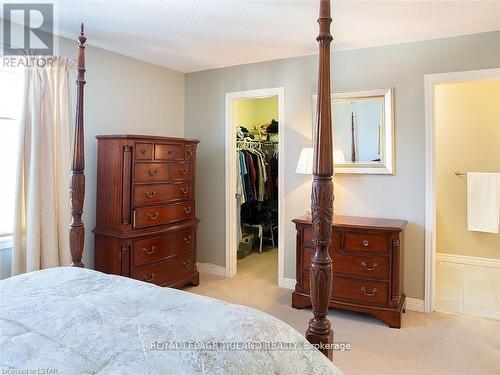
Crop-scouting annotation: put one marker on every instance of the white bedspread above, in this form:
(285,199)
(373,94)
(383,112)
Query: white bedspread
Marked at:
(78,321)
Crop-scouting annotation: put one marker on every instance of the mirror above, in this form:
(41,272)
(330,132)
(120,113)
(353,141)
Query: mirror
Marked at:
(363,130)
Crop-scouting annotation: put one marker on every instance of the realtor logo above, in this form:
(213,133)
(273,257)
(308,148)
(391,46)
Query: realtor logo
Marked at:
(28,27)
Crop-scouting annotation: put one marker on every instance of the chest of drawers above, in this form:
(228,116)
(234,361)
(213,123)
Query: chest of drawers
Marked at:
(145,222)
(367,256)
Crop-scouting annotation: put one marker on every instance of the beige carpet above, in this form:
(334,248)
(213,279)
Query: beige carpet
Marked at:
(427,344)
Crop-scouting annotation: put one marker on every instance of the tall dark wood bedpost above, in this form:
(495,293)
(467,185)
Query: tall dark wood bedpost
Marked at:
(319,331)
(353,142)
(77,188)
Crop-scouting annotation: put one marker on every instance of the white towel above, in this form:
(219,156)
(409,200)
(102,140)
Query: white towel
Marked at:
(483,202)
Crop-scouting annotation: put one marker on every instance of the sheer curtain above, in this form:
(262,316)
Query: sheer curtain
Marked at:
(42,211)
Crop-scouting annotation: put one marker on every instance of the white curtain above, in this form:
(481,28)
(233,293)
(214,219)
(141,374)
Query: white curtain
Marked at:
(42,212)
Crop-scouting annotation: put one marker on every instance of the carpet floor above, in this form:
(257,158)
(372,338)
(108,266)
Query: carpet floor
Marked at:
(426,344)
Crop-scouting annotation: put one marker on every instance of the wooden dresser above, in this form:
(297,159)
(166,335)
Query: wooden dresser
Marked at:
(367,257)
(146,224)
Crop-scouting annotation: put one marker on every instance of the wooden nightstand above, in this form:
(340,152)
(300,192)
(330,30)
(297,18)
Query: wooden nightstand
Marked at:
(367,255)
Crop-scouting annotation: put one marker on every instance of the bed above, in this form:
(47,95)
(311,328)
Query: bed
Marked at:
(72,320)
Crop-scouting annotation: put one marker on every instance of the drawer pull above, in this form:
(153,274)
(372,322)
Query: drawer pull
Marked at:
(149,277)
(187,210)
(188,239)
(183,171)
(149,251)
(143,151)
(153,172)
(187,264)
(189,152)
(366,243)
(150,194)
(185,190)
(170,152)
(152,217)
(367,293)
(367,268)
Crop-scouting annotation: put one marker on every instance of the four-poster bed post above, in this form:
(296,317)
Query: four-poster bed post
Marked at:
(319,331)
(353,142)
(77,188)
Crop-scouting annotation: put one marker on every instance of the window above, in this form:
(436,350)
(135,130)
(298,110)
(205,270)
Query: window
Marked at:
(11,98)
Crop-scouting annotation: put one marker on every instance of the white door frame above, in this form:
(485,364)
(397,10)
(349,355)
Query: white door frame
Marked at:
(231,207)
(430,80)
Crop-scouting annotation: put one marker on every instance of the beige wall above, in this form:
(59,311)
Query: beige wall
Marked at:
(401,196)
(467,120)
(251,112)
(123,95)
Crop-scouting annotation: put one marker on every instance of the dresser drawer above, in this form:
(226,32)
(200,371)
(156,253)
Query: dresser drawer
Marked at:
(150,172)
(168,271)
(162,193)
(364,266)
(365,292)
(181,171)
(336,238)
(159,215)
(143,151)
(369,243)
(169,152)
(156,248)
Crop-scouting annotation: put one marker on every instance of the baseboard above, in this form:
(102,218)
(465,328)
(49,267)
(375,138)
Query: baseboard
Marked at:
(413,304)
(212,269)
(289,283)
(463,259)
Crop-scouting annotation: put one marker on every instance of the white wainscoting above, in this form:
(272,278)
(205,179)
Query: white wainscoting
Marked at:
(472,261)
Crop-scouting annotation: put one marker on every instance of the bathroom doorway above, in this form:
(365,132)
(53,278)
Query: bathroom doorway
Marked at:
(466,241)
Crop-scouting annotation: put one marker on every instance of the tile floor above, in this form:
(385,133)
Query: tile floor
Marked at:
(466,289)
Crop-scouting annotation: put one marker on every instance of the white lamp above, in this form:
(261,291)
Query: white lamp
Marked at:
(305,164)
(338,157)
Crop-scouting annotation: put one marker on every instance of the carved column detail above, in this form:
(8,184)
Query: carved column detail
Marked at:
(126,182)
(319,331)
(125,260)
(396,287)
(77,187)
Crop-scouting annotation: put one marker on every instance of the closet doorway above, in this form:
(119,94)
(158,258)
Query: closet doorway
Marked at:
(255,183)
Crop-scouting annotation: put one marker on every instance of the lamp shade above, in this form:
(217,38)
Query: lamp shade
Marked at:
(338,157)
(305,164)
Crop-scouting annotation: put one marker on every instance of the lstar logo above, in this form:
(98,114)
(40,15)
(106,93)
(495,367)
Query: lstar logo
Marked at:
(28,27)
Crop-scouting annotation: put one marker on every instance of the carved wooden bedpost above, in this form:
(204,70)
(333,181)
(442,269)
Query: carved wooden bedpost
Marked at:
(319,331)
(77,188)
(353,141)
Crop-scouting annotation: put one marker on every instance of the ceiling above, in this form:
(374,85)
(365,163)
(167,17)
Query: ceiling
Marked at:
(202,34)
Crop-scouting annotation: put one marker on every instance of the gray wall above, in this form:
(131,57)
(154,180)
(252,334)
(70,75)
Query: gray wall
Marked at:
(401,196)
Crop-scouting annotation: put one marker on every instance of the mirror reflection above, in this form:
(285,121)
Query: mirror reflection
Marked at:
(358,126)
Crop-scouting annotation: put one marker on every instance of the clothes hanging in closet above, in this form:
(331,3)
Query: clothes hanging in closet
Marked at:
(258,175)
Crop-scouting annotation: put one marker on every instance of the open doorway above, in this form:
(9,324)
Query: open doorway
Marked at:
(254,185)
(465,166)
